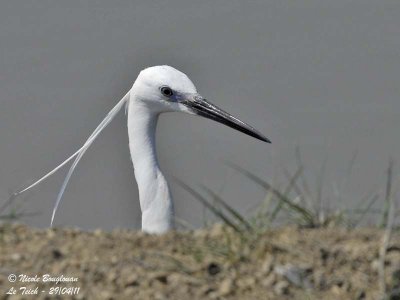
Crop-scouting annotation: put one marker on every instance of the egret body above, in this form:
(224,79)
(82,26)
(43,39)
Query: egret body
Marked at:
(156,90)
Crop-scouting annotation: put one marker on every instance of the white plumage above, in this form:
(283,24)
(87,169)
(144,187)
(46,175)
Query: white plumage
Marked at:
(156,90)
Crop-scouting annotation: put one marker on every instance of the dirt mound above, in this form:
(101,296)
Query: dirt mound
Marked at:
(214,263)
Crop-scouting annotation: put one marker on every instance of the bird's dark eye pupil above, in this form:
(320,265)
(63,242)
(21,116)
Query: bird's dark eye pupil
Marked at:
(166,91)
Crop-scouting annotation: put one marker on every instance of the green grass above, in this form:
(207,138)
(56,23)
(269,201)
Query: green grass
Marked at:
(295,203)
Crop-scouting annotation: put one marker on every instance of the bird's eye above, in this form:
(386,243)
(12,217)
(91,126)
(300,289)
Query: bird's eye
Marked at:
(167,91)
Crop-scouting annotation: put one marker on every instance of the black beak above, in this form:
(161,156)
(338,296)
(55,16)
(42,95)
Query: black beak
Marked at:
(202,107)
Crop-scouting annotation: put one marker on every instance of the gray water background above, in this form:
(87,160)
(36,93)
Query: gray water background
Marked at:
(321,75)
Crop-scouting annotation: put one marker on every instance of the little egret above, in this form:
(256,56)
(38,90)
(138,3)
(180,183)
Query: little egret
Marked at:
(156,90)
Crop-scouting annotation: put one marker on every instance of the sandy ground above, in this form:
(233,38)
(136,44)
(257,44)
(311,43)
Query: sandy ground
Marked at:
(214,263)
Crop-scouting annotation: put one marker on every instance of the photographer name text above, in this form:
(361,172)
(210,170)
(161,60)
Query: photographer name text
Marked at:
(46,278)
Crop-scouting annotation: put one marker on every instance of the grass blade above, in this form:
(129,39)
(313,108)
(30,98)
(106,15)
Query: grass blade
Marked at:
(366,210)
(229,208)
(303,179)
(207,204)
(388,194)
(307,215)
(292,184)
(320,186)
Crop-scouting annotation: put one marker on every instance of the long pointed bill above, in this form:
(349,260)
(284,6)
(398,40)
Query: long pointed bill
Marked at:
(202,107)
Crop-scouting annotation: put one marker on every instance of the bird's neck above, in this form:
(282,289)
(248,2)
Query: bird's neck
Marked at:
(154,195)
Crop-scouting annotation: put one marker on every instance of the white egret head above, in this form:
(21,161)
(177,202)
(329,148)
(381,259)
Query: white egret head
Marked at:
(165,89)
(160,88)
